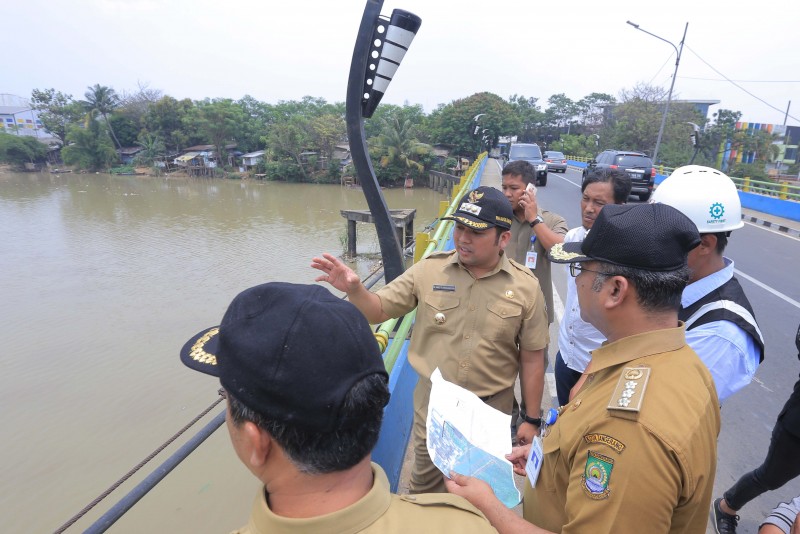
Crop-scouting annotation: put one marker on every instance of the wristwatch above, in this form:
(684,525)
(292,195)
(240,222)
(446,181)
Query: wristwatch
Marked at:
(536,221)
(532,420)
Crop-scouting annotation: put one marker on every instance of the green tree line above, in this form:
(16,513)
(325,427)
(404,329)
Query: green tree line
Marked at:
(298,134)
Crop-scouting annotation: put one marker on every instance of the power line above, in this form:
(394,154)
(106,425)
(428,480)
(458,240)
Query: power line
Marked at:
(740,87)
(660,69)
(740,81)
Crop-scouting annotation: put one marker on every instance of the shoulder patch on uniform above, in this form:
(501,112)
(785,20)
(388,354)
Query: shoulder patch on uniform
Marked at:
(614,443)
(629,393)
(597,475)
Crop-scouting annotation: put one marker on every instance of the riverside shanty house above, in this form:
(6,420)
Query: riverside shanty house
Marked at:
(128,154)
(252,159)
(200,160)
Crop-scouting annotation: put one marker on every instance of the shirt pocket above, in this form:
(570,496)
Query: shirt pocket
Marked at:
(502,320)
(440,314)
(551,452)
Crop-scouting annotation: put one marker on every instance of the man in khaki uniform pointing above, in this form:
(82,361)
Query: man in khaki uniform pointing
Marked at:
(635,448)
(480,319)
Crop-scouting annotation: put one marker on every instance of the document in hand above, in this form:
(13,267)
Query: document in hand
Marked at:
(471,438)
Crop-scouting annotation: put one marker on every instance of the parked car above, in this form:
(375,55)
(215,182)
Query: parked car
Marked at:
(533,155)
(556,161)
(638,166)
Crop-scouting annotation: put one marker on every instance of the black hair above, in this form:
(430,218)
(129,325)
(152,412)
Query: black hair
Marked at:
(318,453)
(722,241)
(521,168)
(656,291)
(620,182)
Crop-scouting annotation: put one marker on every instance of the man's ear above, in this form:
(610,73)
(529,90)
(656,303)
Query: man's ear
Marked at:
(708,243)
(618,290)
(259,443)
(505,237)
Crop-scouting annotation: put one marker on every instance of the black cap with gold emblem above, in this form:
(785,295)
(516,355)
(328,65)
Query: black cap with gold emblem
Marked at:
(651,237)
(483,208)
(290,352)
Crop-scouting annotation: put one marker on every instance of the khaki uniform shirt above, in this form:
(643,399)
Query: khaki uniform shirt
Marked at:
(469,328)
(520,244)
(378,511)
(647,468)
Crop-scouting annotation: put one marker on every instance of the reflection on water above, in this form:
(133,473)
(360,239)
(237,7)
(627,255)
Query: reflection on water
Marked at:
(102,281)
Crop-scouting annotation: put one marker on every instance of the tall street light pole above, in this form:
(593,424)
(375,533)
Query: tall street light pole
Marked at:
(678,51)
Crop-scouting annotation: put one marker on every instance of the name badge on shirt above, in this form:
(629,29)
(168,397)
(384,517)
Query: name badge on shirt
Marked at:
(439,287)
(535,458)
(530,259)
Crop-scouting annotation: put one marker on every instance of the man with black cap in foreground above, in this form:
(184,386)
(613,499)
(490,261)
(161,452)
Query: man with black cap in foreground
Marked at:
(306,388)
(481,319)
(635,449)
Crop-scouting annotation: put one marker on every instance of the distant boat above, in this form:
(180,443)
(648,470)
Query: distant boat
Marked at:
(60,171)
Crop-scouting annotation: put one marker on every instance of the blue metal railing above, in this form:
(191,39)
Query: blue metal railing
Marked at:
(761,199)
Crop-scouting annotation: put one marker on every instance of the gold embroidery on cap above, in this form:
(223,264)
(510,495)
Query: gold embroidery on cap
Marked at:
(475,196)
(503,219)
(471,224)
(198,352)
(558,253)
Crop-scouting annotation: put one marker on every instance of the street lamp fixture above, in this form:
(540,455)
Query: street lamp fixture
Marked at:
(678,51)
(387,52)
(381,44)
(695,137)
(477,128)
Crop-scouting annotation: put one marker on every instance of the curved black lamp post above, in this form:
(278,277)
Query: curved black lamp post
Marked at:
(380,46)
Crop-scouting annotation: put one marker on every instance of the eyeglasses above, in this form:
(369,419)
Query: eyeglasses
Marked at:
(576,268)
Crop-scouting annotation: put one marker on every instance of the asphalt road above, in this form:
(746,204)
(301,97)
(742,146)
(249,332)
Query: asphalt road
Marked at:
(766,263)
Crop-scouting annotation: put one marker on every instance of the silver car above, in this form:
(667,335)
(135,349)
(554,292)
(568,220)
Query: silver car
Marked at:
(556,161)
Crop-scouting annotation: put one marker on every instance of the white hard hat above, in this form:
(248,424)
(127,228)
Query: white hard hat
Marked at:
(705,195)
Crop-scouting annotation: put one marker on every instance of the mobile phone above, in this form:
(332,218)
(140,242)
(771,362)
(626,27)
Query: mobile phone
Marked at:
(530,188)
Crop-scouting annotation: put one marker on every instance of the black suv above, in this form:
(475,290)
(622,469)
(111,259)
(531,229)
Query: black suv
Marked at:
(533,155)
(636,165)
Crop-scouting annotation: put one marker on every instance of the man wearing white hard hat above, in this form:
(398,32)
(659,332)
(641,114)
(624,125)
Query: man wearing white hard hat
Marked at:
(720,323)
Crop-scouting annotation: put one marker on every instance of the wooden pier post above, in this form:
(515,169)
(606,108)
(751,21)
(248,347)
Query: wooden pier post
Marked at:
(403,222)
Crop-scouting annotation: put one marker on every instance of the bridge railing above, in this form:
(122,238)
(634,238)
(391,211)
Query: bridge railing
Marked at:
(778,198)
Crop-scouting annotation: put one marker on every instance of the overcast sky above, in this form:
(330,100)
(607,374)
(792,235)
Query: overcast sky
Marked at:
(284,50)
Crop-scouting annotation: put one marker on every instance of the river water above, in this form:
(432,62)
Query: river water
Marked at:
(102,280)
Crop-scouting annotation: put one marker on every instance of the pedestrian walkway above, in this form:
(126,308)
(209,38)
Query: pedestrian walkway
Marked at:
(778,224)
(491,176)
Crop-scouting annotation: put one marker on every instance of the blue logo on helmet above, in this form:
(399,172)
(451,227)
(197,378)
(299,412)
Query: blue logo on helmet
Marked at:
(717,210)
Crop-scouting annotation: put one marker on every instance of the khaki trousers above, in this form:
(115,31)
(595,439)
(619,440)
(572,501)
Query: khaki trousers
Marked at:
(426,477)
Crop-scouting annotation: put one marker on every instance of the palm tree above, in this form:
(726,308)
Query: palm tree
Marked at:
(104,100)
(399,145)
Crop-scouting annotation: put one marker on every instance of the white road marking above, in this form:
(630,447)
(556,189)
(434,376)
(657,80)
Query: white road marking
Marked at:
(760,383)
(771,230)
(766,287)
